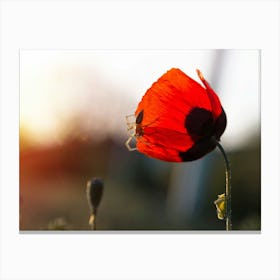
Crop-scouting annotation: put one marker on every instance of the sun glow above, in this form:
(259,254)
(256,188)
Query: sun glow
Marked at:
(92,91)
(37,99)
(56,92)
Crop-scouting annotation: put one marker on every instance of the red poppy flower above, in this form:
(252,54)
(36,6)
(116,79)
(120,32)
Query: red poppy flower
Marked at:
(178,119)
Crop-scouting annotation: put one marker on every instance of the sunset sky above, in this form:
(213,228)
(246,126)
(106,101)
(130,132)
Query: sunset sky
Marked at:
(97,89)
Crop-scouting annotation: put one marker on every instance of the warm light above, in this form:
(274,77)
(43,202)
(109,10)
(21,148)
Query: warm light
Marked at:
(38,101)
(61,91)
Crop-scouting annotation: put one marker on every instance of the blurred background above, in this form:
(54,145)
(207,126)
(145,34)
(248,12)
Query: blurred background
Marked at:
(72,128)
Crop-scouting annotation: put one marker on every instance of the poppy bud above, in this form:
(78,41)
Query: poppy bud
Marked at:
(94,193)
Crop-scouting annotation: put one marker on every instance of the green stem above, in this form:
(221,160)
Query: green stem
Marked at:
(228,188)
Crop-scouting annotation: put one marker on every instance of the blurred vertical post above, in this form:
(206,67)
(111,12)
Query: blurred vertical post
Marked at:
(187,181)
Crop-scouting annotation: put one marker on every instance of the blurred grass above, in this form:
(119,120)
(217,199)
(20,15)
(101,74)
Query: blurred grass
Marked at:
(53,188)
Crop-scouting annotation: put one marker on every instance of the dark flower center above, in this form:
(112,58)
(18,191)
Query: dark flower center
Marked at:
(199,123)
(204,131)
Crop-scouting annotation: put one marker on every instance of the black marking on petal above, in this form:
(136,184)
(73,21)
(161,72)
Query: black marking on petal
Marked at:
(220,125)
(139,117)
(199,149)
(199,123)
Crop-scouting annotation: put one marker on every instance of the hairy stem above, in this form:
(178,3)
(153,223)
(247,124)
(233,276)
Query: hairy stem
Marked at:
(93,226)
(228,188)
(94,212)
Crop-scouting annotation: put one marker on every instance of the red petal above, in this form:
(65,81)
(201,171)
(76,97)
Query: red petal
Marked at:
(169,100)
(163,143)
(214,99)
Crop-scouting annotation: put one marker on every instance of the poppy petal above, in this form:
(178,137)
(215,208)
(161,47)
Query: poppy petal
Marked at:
(158,143)
(164,142)
(214,99)
(169,100)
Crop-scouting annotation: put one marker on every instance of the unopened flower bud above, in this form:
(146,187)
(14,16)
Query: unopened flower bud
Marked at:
(94,192)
